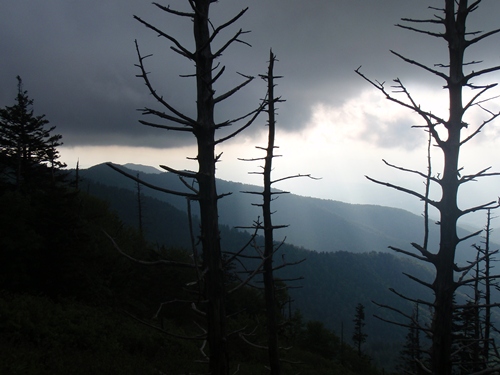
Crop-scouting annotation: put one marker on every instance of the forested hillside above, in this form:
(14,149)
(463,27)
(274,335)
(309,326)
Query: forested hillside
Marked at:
(333,282)
(115,270)
(81,292)
(71,303)
(314,224)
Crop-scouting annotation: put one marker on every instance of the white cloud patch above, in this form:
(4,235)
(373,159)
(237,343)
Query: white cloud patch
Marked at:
(368,118)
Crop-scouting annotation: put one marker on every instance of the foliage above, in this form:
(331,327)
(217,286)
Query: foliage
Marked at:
(64,288)
(40,336)
(411,353)
(68,318)
(358,336)
(332,278)
(28,150)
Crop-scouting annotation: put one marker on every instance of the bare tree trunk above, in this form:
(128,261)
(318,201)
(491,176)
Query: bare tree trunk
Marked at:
(210,238)
(444,286)
(269,287)
(487,291)
(450,141)
(203,127)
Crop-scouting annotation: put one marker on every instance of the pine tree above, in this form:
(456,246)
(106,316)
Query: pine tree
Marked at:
(359,322)
(28,150)
(411,353)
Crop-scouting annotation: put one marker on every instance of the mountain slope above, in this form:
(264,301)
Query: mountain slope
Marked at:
(316,224)
(333,281)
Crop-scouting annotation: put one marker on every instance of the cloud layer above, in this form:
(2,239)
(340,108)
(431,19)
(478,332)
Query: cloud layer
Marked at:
(77,60)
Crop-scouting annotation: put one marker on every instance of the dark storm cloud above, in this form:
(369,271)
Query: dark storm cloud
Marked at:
(77,58)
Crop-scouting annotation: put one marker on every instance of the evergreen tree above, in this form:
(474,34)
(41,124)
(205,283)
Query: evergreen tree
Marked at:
(28,150)
(359,322)
(411,353)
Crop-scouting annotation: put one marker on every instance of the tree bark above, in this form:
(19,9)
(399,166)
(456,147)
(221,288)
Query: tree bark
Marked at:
(444,285)
(269,287)
(210,238)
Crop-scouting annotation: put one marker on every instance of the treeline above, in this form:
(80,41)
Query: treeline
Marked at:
(332,285)
(72,302)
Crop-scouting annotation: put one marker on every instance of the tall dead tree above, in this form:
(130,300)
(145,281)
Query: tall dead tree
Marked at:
(204,129)
(269,287)
(447,134)
(486,281)
(268,195)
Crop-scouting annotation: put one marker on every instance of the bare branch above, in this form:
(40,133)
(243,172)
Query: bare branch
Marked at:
(468,77)
(252,274)
(482,36)
(199,338)
(249,122)
(172,11)
(424,252)
(165,127)
(144,76)
(413,62)
(427,116)
(408,191)
(481,173)
(242,336)
(234,90)
(186,174)
(493,117)
(424,175)
(286,264)
(151,186)
(235,38)
(470,236)
(401,251)
(148,262)
(256,227)
(295,176)
(485,206)
(437,35)
(163,115)
(226,24)
(472,101)
(419,301)
(419,281)
(180,49)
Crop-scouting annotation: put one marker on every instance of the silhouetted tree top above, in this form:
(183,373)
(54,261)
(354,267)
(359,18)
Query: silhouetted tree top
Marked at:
(28,149)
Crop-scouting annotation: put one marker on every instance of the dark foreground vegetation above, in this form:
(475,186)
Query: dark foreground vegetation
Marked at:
(73,300)
(70,303)
(80,292)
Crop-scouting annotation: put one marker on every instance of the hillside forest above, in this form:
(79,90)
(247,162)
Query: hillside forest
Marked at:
(112,269)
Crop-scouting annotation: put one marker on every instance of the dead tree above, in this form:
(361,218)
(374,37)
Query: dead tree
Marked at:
(484,276)
(267,226)
(447,135)
(268,275)
(203,127)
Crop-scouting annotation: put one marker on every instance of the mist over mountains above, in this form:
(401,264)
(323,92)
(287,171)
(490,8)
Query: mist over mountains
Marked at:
(314,224)
(345,247)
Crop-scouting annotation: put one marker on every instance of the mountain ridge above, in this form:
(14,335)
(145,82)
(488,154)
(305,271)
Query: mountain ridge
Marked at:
(321,225)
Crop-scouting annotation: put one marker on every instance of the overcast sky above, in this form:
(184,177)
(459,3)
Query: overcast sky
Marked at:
(76,59)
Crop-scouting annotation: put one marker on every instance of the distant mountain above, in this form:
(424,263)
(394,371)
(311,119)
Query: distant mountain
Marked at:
(141,168)
(335,278)
(330,284)
(315,224)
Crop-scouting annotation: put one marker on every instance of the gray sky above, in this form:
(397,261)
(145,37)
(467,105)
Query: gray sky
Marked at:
(77,60)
